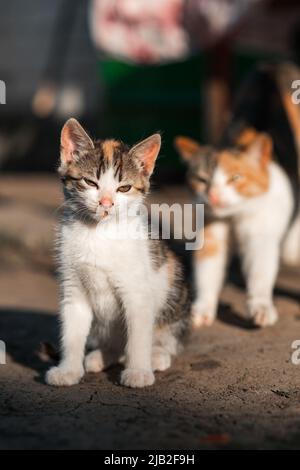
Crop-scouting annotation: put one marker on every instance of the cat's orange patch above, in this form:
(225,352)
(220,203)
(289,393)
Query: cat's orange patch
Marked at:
(210,245)
(254,178)
(108,147)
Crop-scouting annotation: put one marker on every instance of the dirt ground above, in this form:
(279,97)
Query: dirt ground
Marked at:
(233,387)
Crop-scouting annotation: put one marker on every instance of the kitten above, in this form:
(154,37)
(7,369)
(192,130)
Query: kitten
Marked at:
(249,203)
(118,296)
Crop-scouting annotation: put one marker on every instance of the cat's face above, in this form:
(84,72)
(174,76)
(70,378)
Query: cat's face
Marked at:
(104,178)
(226,179)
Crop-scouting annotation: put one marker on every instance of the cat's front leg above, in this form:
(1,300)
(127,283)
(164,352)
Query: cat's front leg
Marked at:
(260,264)
(76,321)
(209,270)
(139,315)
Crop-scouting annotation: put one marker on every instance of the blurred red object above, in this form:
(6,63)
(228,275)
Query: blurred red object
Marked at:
(139,31)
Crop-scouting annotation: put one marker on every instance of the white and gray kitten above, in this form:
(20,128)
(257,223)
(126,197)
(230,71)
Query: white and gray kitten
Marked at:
(119,298)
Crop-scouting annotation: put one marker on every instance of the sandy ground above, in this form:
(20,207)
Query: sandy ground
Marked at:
(233,387)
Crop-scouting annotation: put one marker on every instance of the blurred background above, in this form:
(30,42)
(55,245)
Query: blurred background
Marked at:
(127,68)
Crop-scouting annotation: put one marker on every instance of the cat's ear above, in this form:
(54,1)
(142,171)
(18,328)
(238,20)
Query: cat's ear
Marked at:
(186,147)
(73,141)
(147,152)
(246,137)
(261,149)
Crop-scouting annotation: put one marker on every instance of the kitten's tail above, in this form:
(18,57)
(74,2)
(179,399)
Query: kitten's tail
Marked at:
(291,244)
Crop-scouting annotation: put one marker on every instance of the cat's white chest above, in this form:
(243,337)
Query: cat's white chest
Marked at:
(112,268)
(106,265)
(107,249)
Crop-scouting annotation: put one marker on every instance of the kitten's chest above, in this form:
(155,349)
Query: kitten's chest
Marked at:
(112,255)
(105,267)
(104,253)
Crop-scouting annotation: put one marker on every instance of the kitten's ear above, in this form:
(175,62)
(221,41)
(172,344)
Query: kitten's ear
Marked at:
(261,149)
(246,137)
(73,141)
(147,152)
(186,147)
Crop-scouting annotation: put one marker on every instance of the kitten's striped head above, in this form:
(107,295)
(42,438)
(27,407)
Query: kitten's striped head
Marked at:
(104,176)
(226,178)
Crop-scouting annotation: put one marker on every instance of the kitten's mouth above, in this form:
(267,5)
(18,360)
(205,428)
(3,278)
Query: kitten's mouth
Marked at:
(104,215)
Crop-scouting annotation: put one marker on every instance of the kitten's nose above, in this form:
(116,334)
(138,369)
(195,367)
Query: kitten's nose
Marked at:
(106,202)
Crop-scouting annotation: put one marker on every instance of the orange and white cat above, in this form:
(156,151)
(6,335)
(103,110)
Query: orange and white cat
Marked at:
(249,204)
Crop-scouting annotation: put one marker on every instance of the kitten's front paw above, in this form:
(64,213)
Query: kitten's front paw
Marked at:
(202,315)
(161,361)
(263,314)
(61,377)
(137,378)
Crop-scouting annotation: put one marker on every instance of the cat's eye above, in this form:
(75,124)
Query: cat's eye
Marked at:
(125,188)
(90,183)
(201,178)
(234,178)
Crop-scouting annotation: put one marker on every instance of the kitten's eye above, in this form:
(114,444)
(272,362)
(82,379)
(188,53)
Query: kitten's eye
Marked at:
(234,178)
(201,178)
(125,188)
(90,182)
